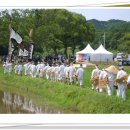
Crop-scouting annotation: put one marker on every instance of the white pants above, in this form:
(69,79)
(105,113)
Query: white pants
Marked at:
(110,87)
(121,91)
(25,71)
(47,75)
(71,78)
(61,76)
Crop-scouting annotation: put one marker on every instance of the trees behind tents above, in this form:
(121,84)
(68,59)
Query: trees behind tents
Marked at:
(53,29)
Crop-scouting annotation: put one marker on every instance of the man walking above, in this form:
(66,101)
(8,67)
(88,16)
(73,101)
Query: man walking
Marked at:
(80,75)
(121,82)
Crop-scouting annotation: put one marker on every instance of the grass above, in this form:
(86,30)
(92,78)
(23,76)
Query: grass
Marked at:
(63,97)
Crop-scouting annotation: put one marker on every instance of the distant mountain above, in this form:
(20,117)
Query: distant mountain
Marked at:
(105,25)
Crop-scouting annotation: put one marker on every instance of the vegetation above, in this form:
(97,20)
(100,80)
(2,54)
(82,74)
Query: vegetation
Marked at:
(53,29)
(117,34)
(63,97)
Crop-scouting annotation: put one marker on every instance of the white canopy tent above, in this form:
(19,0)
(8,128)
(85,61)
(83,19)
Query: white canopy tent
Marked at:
(101,54)
(85,53)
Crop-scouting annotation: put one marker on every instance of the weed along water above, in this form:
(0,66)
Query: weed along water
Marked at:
(38,95)
(14,103)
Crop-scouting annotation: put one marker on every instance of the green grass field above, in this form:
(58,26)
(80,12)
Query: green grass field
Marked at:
(63,97)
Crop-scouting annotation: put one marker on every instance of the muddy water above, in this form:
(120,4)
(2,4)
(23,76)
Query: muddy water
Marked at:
(13,103)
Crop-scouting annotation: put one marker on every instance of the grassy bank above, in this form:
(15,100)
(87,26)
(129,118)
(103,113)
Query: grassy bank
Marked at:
(68,99)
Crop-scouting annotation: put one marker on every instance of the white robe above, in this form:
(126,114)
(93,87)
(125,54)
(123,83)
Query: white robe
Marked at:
(72,72)
(80,75)
(16,69)
(95,73)
(33,71)
(121,91)
(111,80)
(20,69)
(61,72)
(128,80)
(26,68)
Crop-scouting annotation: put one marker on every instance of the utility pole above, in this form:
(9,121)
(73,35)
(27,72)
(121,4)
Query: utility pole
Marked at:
(104,39)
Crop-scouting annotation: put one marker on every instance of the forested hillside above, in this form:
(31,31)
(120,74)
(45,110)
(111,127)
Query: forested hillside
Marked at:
(117,34)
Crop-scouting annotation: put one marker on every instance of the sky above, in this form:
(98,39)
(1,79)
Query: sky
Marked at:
(104,14)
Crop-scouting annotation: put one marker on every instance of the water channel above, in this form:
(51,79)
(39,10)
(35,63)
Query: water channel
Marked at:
(14,103)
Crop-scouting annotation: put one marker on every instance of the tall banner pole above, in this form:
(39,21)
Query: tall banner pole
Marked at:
(9,48)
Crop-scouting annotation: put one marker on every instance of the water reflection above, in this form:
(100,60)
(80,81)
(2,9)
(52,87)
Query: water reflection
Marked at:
(13,103)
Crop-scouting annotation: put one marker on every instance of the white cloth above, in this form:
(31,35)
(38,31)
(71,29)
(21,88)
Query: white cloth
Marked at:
(66,71)
(80,75)
(48,68)
(121,91)
(26,68)
(128,80)
(72,72)
(111,80)
(61,72)
(57,68)
(95,73)
(20,69)
(16,69)
(102,75)
(33,71)
(38,66)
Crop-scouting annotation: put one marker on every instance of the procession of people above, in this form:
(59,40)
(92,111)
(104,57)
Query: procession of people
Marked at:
(102,80)
(110,77)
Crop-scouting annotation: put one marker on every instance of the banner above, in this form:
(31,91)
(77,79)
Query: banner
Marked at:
(16,36)
(25,52)
(21,52)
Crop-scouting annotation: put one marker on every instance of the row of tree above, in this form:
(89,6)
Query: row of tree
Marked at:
(54,30)
(117,34)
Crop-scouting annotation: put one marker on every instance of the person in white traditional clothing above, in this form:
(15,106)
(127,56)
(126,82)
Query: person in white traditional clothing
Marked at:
(38,68)
(20,67)
(80,75)
(42,66)
(48,68)
(5,67)
(103,77)
(33,70)
(56,74)
(26,68)
(66,73)
(43,70)
(95,78)
(72,72)
(121,82)
(16,69)
(51,72)
(29,72)
(111,72)
(10,67)
(61,72)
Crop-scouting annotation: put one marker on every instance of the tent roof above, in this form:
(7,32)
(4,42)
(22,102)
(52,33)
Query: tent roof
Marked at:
(101,50)
(87,49)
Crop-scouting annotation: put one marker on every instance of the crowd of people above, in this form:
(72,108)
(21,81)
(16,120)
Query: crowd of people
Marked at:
(57,71)
(108,78)
(102,80)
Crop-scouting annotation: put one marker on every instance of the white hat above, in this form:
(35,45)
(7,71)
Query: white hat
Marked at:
(112,69)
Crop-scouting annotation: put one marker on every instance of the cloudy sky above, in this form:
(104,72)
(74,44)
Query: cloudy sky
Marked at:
(104,14)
